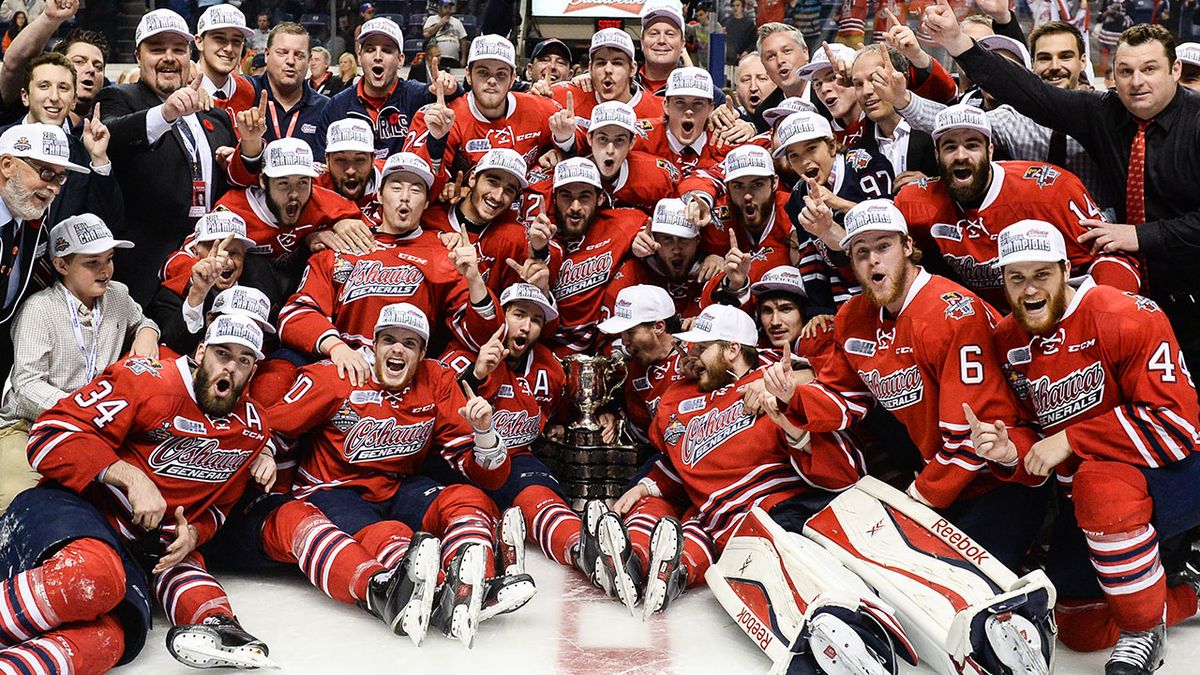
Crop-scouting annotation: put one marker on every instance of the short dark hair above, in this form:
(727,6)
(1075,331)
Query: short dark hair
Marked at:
(1056,28)
(800,300)
(287,28)
(49,59)
(91,37)
(1148,32)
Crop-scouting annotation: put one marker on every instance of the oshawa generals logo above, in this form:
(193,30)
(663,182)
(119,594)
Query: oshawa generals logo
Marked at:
(516,427)
(373,439)
(1058,401)
(577,277)
(976,274)
(897,390)
(198,459)
(708,431)
(371,277)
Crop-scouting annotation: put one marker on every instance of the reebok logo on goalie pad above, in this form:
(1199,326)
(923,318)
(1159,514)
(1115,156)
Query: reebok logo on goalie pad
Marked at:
(959,541)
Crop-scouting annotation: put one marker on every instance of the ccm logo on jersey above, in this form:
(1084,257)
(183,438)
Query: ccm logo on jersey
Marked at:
(959,541)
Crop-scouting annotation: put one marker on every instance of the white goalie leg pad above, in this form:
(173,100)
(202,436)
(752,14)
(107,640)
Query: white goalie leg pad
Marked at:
(963,610)
(773,583)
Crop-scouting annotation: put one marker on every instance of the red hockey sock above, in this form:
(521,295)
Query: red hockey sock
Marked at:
(82,648)
(387,540)
(335,563)
(698,552)
(550,523)
(640,522)
(462,515)
(189,594)
(1089,625)
(81,582)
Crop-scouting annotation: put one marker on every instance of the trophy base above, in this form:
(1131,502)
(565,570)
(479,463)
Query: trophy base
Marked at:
(589,469)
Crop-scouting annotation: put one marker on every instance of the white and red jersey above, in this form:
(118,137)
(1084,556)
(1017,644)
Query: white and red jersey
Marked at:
(324,208)
(725,461)
(656,179)
(705,152)
(688,294)
(1110,375)
(144,412)
(645,386)
(922,365)
(368,440)
(342,294)
(524,399)
(645,105)
(1018,191)
(769,249)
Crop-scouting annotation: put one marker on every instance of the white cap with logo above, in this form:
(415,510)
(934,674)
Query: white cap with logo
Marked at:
(722,322)
(403,315)
(159,21)
(349,135)
(872,215)
(671,10)
(506,160)
(690,82)
(530,293)
(613,114)
(84,233)
(820,60)
(636,305)
(45,143)
(381,25)
(407,162)
(961,116)
(231,329)
(612,38)
(288,157)
(492,47)
(782,278)
(219,225)
(221,16)
(1189,53)
(245,301)
(748,160)
(670,218)
(798,128)
(1030,241)
(789,105)
(576,170)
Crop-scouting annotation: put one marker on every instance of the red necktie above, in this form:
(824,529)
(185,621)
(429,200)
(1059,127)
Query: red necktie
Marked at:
(1135,191)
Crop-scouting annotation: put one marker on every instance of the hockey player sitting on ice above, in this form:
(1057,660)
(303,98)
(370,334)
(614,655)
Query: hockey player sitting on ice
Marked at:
(140,467)
(920,345)
(1103,372)
(333,313)
(350,168)
(975,198)
(368,441)
(611,66)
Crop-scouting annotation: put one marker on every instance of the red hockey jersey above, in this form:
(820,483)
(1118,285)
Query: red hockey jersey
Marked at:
(687,294)
(645,105)
(323,210)
(656,179)
(703,153)
(645,386)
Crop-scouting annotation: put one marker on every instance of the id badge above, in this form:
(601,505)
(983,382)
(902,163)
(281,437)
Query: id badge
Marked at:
(199,202)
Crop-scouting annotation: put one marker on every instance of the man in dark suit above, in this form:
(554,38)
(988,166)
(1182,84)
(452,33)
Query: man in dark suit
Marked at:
(885,133)
(164,137)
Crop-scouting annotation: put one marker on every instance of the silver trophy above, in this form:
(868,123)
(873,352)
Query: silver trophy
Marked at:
(591,382)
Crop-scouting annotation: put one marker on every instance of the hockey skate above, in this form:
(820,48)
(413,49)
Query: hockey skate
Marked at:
(502,595)
(1139,653)
(403,596)
(219,642)
(587,552)
(668,577)
(620,563)
(460,600)
(841,645)
(510,542)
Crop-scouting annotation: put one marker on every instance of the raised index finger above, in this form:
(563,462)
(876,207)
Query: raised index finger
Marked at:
(971,418)
(733,245)
(467,390)
(262,102)
(570,103)
(891,18)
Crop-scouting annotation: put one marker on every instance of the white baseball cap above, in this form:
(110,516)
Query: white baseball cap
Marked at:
(782,278)
(245,301)
(789,105)
(576,170)
(160,21)
(492,47)
(530,293)
(798,128)
(506,160)
(381,25)
(690,82)
(613,114)
(820,61)
(1189,53)
(349,135)
(612,38)
(1030,241)
(403,315)
(220,224)
(636,305)
(45,143)
(288,157)
(747,160)
(232,329)
(407,162)
(669,218)
(85,234)
(961,116)
(671,10)
(872,215)
(722,322)
(217,17)
(1003,43)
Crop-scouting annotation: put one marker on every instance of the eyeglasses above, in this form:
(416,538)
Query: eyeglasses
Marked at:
(47,174)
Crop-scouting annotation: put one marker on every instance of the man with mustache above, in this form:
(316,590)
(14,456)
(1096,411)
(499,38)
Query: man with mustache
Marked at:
(780,304)
(221,35)
(611,68)
(140,466)
(975,198)
(1105,376)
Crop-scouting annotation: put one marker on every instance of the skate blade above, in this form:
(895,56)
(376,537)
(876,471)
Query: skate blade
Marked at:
(512,532)
(1017,643)
(839,650)
(510,599)
(612,546)
(201,651)
(422,570)
(665,549)
(465,620)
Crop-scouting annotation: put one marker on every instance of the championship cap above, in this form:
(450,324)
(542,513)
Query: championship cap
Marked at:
(636,305)
(782,278)
(551,45)
(1030,241)
(403,315)
(288,157)
(576,170)
(1003,43)
(45,143)
(158,21)
(961,116)
(349,135)
(231,329)
(613,114)
(245,301)
(789,105)
(748,160)
(872,215)
(670,10)
(381,25)
(506,160)
(492,47)
(613,38)
(85,234)
(722,322)
(690,82)
(223,16)
(530,293)
(800,127)
(669,218)
(219,224)
(1189,53)
(407,162)
(820,60)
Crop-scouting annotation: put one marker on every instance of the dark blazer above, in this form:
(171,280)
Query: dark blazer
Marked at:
(156,181)
(920,151)
(34,275)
